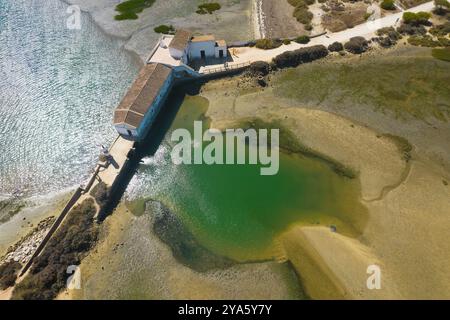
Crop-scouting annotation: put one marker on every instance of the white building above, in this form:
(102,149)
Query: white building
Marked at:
(134,116)
(186,47)
(179,46)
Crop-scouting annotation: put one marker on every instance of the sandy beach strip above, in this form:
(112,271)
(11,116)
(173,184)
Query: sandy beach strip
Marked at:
(258,19)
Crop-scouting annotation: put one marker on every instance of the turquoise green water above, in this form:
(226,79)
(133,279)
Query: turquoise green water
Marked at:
(236,212)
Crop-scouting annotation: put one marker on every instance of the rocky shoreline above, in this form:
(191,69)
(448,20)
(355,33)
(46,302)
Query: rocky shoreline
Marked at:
(22,250)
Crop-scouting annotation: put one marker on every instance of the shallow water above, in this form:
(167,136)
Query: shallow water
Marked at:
(236,212)
(58,89)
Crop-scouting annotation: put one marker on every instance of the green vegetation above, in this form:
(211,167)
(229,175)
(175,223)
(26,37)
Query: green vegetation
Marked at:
(164,29)
(388,5)
(301,12)
(268,44)
(367,15)
(68,246)
(388,37)
(303,55)
(302,39)
(377,83)
(419,18)
(128,10)
(441,29)
(410,29)
(356,45)
(335,47)
(427,41)
(441,4)
(441,54)
(208,8)
(259,68)
(101,194)
(9,208)
(286,41)
(8,274)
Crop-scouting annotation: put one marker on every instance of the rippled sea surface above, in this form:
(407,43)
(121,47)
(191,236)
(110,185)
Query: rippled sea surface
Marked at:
(58,90)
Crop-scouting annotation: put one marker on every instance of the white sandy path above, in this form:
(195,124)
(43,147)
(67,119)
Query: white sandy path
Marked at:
(366,30)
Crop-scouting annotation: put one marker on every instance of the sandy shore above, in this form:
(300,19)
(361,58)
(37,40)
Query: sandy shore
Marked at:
(407,202)
(279,21)
(139,36)
(130,261)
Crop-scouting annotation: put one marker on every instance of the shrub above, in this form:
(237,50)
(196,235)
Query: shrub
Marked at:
(8,274)
(419,18)
(302,39)
(356,45)
(286,41)
(411,29)
(267,44)
(303,15)
(390,32)
(388,5)
(126,16)
(299,56)
(301,12)
(427,41)
(335,47)
(386,42)
(165,29)
(441,30)
(101,194)
(68,246)
(208,8)
(259,68)
(442,4)
(441,7)
(129,9)
(297,3)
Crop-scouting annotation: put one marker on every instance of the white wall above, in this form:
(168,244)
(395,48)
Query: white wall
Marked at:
(122,129)
(217,50)
(195,49)
(175,53)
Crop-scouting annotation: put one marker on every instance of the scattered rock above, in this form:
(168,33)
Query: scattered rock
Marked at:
(22,250)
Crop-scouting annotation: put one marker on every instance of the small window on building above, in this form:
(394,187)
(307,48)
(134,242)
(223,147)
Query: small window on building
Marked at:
(203,54)
(130,133)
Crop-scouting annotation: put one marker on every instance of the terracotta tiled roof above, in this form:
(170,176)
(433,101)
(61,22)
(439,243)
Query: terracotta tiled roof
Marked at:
(141,95)
(181,39)
(203,38)
(221,43)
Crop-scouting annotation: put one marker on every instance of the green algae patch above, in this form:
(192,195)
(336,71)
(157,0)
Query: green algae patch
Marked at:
(129,9)
(208,8)
(234,212)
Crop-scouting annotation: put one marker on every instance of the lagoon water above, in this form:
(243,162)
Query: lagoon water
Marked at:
(233,210)
(58,89)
